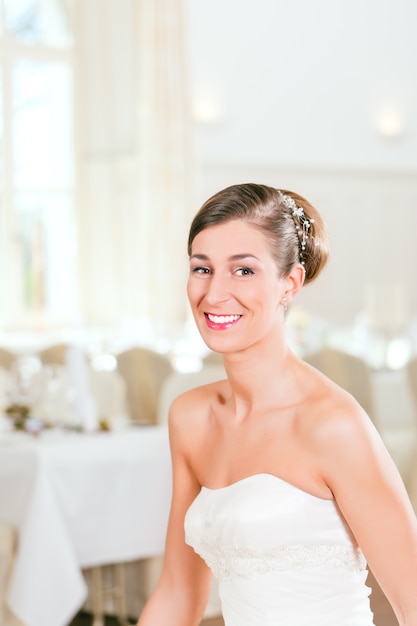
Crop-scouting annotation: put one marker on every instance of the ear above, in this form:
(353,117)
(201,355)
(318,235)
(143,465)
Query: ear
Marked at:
(294,281)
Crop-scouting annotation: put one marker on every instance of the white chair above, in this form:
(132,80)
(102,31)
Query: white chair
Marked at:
(4,387)
(411,369)
(109,392)
(411,372)
(8,544)
(178,382)
(136,383)
(106,583)
(107,593)
(348,371)
(54,354)
(144,372)
(6,358)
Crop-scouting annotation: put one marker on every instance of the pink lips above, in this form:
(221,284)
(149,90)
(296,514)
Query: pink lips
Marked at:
(221,322)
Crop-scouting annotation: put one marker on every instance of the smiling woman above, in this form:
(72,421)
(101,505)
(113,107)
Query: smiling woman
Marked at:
(229,258)
(281,482)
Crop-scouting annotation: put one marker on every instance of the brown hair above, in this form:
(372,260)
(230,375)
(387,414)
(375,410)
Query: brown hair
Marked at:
(263,207)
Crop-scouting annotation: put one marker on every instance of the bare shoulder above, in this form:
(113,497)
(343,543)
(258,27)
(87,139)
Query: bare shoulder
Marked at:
(338,432)
(332,420)
(191,411)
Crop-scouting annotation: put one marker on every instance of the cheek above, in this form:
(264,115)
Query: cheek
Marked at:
(271,297)
(265,292)
(192,291)
(189,290)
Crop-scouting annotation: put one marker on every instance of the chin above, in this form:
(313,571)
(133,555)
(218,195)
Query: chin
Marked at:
(221,345)
(216,344)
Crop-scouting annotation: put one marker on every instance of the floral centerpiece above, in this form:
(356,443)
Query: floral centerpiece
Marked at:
(19,414)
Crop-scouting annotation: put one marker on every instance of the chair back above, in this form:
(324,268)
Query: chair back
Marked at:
(6,358)
(109,392)
(349,372)
(144,371)
(412,377)
(54,355)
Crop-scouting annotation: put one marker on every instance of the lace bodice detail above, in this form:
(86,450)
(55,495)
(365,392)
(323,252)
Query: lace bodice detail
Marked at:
(281,555)
(240,562)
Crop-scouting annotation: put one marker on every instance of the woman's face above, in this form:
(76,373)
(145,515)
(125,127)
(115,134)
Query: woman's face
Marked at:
(234,287)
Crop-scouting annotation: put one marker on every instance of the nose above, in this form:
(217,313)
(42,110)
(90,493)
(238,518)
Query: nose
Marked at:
(217,289)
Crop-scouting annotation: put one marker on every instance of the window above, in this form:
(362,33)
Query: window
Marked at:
(37,181)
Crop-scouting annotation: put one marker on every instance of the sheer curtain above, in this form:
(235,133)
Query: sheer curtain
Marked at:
(136,171)
(165,157)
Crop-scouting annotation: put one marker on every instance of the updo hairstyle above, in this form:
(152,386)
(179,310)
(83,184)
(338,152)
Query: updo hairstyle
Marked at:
(263,207)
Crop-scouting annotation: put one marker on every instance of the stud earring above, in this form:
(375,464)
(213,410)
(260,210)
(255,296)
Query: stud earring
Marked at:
(284,303)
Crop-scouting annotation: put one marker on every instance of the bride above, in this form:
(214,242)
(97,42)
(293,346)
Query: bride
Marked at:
(282,486)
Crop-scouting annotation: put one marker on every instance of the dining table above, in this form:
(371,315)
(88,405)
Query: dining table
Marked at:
(79,500)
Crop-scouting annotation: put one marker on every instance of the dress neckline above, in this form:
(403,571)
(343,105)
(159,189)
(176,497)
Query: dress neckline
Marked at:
(258,475)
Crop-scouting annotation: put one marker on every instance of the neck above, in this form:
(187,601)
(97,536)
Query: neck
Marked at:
(261,375)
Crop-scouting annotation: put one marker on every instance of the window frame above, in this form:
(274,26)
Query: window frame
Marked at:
(13,312)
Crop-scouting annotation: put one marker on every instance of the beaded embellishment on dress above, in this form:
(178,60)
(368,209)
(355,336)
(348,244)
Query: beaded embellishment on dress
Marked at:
(243,562)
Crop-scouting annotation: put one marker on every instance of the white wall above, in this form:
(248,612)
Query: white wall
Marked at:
(302,82)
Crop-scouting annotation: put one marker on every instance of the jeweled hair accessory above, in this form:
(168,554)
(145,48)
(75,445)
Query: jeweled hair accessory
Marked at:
(301,221)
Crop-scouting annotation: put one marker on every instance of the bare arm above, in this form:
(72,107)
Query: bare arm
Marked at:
(371,495)
(182,592)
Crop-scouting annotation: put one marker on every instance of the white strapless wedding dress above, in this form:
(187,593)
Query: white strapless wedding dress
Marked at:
(282,557)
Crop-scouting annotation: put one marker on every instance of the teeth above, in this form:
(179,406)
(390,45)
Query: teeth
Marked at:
(222,319)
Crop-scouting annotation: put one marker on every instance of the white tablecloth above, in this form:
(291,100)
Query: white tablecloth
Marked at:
(79,501)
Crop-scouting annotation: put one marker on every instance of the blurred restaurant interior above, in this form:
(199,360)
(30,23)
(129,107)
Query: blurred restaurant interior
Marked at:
(119,118)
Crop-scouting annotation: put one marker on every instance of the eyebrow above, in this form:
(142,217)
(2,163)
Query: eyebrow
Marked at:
(234,257)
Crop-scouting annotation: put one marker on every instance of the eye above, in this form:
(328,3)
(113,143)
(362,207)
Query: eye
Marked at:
(244,271)
(200,270)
